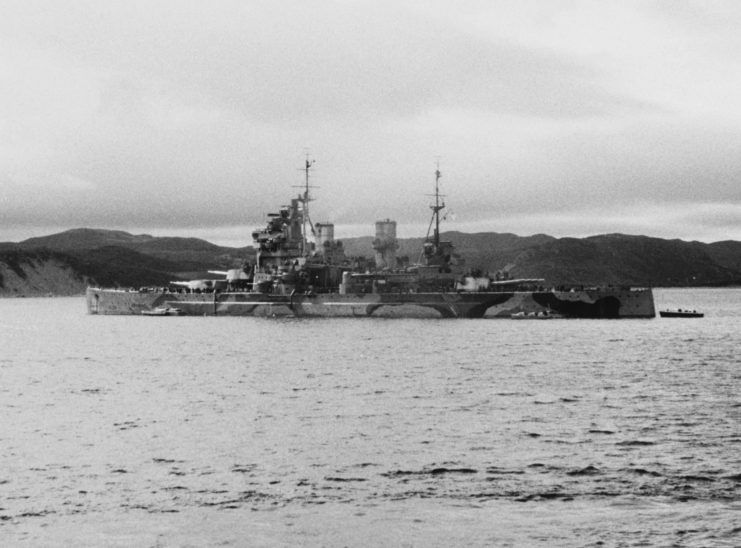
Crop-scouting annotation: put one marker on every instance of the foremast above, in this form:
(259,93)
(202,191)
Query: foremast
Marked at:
(304,199)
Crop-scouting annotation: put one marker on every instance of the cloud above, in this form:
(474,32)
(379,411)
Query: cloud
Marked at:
(287,62)
(195,115)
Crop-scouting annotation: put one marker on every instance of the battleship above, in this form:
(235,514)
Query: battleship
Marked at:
(301,270)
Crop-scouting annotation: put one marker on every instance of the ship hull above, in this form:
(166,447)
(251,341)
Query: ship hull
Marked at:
(583,303)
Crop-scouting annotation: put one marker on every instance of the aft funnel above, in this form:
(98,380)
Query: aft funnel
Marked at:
(385,244)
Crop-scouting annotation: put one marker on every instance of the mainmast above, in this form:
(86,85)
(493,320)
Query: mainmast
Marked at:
(439,206)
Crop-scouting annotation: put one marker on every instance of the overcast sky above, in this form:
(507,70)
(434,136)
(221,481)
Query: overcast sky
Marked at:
(193,118)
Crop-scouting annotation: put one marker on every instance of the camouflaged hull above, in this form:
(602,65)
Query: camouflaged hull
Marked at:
(606,302)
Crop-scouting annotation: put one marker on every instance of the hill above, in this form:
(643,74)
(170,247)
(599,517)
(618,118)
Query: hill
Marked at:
(84,238)
(67,262)
(616,259)
(625,260)
(41,272)
(726,253)
(188,254)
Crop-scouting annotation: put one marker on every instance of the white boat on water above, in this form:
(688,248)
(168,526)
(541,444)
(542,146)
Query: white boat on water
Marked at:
(162,311)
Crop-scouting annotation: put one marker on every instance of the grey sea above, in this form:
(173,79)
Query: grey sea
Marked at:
(186,431)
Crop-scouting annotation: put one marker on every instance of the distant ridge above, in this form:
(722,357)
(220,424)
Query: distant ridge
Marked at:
(117,258)
(182,254)
(84,238)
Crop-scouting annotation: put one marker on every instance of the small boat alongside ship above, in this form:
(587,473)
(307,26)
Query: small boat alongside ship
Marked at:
(162,311)
(295,276)
(544,315)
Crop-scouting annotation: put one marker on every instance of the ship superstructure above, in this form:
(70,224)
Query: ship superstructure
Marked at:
(287,260)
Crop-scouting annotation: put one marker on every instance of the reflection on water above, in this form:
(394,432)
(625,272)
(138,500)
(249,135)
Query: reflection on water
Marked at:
(132,431)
